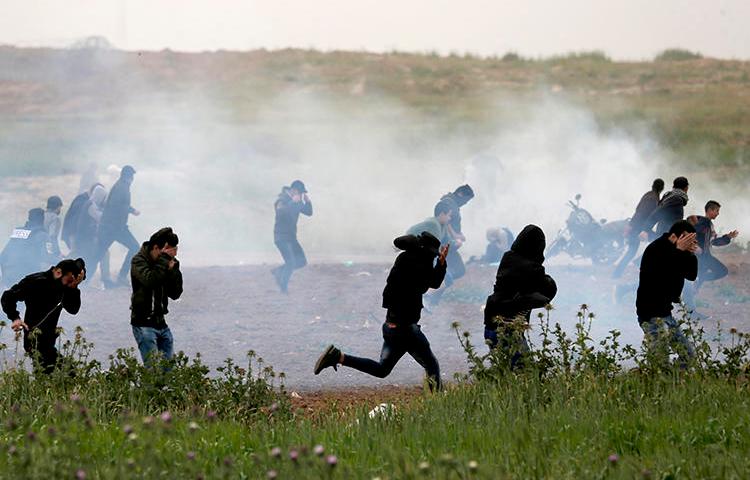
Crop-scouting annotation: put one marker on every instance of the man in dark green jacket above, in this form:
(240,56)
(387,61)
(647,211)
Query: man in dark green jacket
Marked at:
(156,277)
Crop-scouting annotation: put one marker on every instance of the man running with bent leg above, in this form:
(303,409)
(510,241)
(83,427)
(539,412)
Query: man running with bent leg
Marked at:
(413,273)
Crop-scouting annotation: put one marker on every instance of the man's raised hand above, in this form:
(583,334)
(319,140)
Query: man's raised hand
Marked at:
(443,254)
(687,242)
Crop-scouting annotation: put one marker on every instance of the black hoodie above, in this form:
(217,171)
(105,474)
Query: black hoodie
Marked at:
(413,273)
(287,214)
(664,270)
(521,283)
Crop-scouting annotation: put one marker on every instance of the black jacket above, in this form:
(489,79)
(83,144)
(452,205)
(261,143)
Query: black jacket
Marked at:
(664,270)
(521,283)
(153,284)
(671,209)
(42,295)
(706,236)
(646,206)
(287,214)
(411,276)
(117,208)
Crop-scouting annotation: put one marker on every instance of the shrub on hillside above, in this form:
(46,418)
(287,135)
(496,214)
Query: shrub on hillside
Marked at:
(677,55)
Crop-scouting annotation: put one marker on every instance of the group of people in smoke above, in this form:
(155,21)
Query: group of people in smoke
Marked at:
(680,250)
(429,259)
(93,222)
(96,219)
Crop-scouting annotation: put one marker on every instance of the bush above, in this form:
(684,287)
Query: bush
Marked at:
(677,55)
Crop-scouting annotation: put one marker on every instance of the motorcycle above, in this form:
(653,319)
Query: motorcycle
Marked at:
(583,237)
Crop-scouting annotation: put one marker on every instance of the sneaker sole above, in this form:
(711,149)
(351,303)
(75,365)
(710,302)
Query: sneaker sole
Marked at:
(318,365)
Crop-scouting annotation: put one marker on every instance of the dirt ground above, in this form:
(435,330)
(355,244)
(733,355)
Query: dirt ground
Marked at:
(226,311)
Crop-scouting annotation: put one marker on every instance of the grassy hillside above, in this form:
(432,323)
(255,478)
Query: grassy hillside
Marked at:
(53,102)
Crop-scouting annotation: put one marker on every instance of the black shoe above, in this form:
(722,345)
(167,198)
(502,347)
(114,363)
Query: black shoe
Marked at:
(329,358)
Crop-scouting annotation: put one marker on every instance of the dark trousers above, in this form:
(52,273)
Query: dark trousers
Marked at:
(121,235)
(41,348)
(398,341)
(710,269)
(511,341)
(633,242)
(455,267)
(294,258)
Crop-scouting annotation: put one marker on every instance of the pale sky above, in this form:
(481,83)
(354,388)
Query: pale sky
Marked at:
(624,29)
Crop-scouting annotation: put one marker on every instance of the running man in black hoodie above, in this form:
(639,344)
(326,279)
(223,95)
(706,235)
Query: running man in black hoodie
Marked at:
(413,273)
(521,285)
(667,262)
(45,294)
(671,207)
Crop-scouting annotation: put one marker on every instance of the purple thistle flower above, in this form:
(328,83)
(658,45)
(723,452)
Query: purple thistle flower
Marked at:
(613,459)
(80,474)
(31,436)
(293,455)
(276,452)
(272,474)
(319,450)
(128,429)
(166,417)
(190,455)
(211,415)
(332,461)
(75,398)
(228,461)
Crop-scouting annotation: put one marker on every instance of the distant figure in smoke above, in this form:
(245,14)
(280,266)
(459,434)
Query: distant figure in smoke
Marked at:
(87,229)
(646,206)
(155,276)
(521,285)
(709,267)
(413,273)
(671,208)
(499,241)
(70,222)
(667,262)
(53,223)
(292,201)
(114,225)
(45,294)
(29,249)
(454,235)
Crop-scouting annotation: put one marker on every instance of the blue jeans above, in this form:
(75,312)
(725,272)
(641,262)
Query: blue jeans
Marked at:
(150,339)
(654,330)
(396,342)
(294,259)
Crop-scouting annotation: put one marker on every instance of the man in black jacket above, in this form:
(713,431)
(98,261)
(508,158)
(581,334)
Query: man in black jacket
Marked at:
(671,207)
(28,250)
(667,262)
(156,277)
(292,201)
(521,285)
(45,295)
(412,274)
(648,203)
(114,224)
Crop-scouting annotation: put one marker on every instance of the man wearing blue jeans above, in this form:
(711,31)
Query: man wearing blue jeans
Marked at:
(292,201)
(667,262)
(413,273)
(156,277)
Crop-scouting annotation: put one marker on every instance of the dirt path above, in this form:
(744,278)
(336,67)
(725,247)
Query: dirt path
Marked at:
(226,311)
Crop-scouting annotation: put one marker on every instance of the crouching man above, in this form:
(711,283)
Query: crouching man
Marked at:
(521,284)
(155,276)
(45,294)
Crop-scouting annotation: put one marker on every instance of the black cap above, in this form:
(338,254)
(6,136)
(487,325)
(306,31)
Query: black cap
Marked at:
(429,242)
(36,216)
(127,171)
(299,186)
(54,202)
